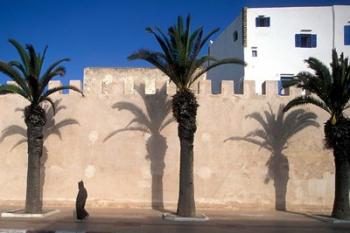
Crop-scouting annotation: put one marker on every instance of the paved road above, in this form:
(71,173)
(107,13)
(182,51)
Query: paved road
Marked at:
(149,221)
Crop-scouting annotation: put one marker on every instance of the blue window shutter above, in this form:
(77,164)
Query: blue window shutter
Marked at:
(257,22)
(297,40)
(313,41)
(347,35)
(268,22)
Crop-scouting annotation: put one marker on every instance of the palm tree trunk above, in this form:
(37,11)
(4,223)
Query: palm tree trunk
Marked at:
(338,138)
(185,112)
(35,120)
(341,207)
(186,204)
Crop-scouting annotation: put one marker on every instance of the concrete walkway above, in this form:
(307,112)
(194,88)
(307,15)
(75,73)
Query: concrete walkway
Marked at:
(150,221)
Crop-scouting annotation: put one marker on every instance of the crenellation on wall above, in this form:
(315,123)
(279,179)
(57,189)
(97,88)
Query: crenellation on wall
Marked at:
(227,88)
(77,84)
(110,82)
(204,87)
(270,88)
(54,84)
(150,86)
(129,86)
(249,89)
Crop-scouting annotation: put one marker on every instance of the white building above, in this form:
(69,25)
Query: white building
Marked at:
(274,42)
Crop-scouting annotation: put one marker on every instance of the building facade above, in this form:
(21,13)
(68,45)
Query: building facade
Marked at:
(274,42)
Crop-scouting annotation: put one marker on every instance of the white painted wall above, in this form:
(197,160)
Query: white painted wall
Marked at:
(341,18)
(277,53)
(224,47)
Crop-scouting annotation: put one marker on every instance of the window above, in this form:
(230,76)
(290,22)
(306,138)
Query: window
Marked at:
(254,53)
(262,21)
(305,40)
(235,36)
(347,35)
(284,78)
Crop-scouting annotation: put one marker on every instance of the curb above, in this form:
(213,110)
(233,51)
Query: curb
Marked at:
(328,219)
(176,218)
(18,213)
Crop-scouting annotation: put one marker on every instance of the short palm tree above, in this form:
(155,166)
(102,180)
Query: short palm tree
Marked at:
(275,131)
(331,92)
(31,83)
(180,60)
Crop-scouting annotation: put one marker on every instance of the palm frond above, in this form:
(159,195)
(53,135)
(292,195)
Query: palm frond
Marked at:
(56,89)
(180,49)
(13,89)
(23,54)
(301,100)
(6,69)
(52,71)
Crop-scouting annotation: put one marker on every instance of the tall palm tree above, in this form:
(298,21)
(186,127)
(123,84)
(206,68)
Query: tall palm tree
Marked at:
(276,130)
(51,127)
(31,83)
(331,92)
(151,121)
(180,60)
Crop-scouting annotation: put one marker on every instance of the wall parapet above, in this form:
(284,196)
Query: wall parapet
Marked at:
(122,81)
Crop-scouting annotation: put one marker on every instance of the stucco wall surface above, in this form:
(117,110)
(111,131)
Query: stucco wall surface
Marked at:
(125,164)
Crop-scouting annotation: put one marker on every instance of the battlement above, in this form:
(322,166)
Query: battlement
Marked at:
(122,81)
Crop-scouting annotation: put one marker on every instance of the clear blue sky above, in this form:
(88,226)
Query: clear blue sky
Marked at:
(102,33)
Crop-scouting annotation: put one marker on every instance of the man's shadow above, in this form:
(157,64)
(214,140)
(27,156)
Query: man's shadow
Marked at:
(152,121)
(50,128)
(275,131)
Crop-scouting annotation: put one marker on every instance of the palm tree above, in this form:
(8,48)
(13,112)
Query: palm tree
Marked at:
(331,92)
(51,127)
(31,84)
(151,121)
(276,130)
(180,60)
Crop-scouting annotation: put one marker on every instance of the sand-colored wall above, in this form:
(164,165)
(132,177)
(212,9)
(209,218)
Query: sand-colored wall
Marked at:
(125,168)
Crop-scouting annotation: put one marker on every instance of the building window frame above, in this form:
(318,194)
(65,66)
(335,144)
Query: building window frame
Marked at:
(346,34)
(284,78)
(262,21)
(305,40)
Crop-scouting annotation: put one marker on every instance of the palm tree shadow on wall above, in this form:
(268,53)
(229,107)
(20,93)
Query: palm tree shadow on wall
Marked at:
(152,121)
(50,128)
(276,130)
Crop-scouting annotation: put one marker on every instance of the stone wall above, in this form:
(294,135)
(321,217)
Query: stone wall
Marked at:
(97,139)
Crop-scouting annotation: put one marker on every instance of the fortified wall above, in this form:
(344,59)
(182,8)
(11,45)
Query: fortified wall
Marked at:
(120,139)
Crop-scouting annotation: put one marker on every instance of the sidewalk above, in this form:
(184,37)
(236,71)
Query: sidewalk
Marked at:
(150,221)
